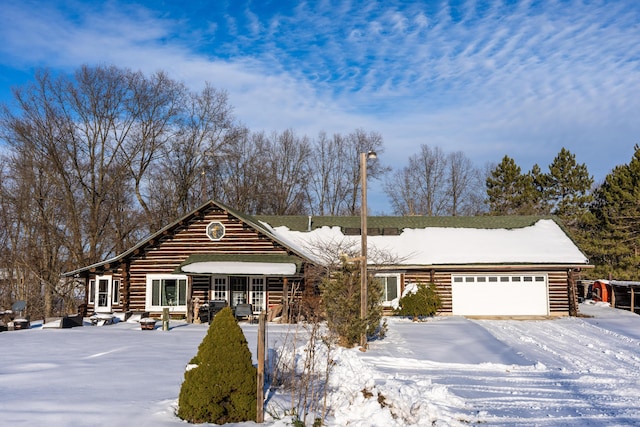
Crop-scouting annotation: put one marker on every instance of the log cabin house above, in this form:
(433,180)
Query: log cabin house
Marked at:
(482,266)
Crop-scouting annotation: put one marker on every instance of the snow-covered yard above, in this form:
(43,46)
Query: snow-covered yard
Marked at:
(448,371)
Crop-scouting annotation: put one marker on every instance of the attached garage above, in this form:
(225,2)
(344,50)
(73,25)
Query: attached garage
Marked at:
(500,295)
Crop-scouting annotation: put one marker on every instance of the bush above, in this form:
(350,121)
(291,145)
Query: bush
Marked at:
(423,302)
(222,388)
(341,301)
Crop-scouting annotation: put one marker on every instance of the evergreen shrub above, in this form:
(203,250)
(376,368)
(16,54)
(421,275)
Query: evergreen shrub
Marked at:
(424,302)
(222,388)
(341,302)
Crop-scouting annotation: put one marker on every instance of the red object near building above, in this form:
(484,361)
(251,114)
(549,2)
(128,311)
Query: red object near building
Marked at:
(601,291)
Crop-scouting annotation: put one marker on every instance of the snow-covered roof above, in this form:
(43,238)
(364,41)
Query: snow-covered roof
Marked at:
(543,242)
(263,264)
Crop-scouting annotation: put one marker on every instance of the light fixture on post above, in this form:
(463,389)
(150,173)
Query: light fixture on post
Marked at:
(363,241)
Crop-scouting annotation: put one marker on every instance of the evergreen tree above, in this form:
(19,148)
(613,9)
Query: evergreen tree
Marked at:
(509,192)
(538,202)
(222,388)
(341,301)
(614,223)
(424,302)
(568,187)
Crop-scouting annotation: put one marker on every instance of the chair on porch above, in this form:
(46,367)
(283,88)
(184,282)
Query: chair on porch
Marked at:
(244,311)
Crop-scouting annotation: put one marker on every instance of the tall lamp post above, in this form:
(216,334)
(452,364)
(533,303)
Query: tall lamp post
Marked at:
(363,242)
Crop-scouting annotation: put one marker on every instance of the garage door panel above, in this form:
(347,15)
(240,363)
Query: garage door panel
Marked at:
(500,299)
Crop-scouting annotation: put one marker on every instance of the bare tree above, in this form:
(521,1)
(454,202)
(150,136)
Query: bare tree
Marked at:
(286,173)
(360,141)
(179,180)
(238,173)
(327,187)
(435,183)
(157,106)
(465,186)
(421,187)
(87,154)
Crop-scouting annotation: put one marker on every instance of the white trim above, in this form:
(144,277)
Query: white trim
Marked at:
(217,227)
(102,299)
(240,268)
(161,277)
(220,290)
(394,301)
(259,295)
(115,291)
(91,291)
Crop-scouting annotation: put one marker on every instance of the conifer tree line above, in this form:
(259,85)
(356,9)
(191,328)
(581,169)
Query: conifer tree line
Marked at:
(92,162)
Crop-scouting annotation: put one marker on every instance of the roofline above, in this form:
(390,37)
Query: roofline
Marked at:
(248,219)
(493,266)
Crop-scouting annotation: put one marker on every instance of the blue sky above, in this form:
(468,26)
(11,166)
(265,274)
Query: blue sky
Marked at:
(522,78)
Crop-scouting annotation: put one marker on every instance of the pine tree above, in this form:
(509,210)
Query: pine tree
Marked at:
(341,301)
(538,203)
(614,224)
(222,388)
(508,190)
(568,187)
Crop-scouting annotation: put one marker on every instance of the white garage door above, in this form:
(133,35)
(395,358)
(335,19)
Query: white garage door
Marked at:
(522,295)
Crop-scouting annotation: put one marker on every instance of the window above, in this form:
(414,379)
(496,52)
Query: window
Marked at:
(497,279)
(92,291)
(166,291)
(390,288)
(115,291)
(257,294)
(220,290)
(103,292)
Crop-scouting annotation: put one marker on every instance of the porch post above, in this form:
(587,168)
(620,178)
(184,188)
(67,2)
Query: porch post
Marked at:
(285,300)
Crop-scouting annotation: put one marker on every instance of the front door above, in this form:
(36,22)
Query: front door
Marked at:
(238,285)
(103,294)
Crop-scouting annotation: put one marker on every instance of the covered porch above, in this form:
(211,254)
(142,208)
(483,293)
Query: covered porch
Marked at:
(268,282)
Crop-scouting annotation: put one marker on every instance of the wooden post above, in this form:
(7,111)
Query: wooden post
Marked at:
(165,318)
(262,328)
(363,248)
(285,300)
(613,295)
(573,300)
(633,300)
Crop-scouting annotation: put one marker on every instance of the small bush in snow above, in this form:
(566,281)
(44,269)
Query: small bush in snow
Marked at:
(341,301)
(222,388)
(423,302)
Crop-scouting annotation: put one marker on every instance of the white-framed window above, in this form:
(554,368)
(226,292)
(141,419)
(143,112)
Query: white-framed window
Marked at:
(102,296)
(220,289)
(520,278)
(115,291)
(257,293)
(168,290)
(92,291)
(390,287)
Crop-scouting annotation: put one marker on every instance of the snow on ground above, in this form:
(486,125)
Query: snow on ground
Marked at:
(449,371)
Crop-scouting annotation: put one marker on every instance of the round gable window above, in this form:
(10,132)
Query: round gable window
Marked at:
(215,230)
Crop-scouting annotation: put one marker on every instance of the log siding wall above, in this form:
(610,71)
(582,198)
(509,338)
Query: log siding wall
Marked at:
(168,252)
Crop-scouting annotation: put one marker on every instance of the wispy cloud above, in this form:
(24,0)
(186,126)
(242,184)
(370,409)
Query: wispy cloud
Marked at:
(522,78)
